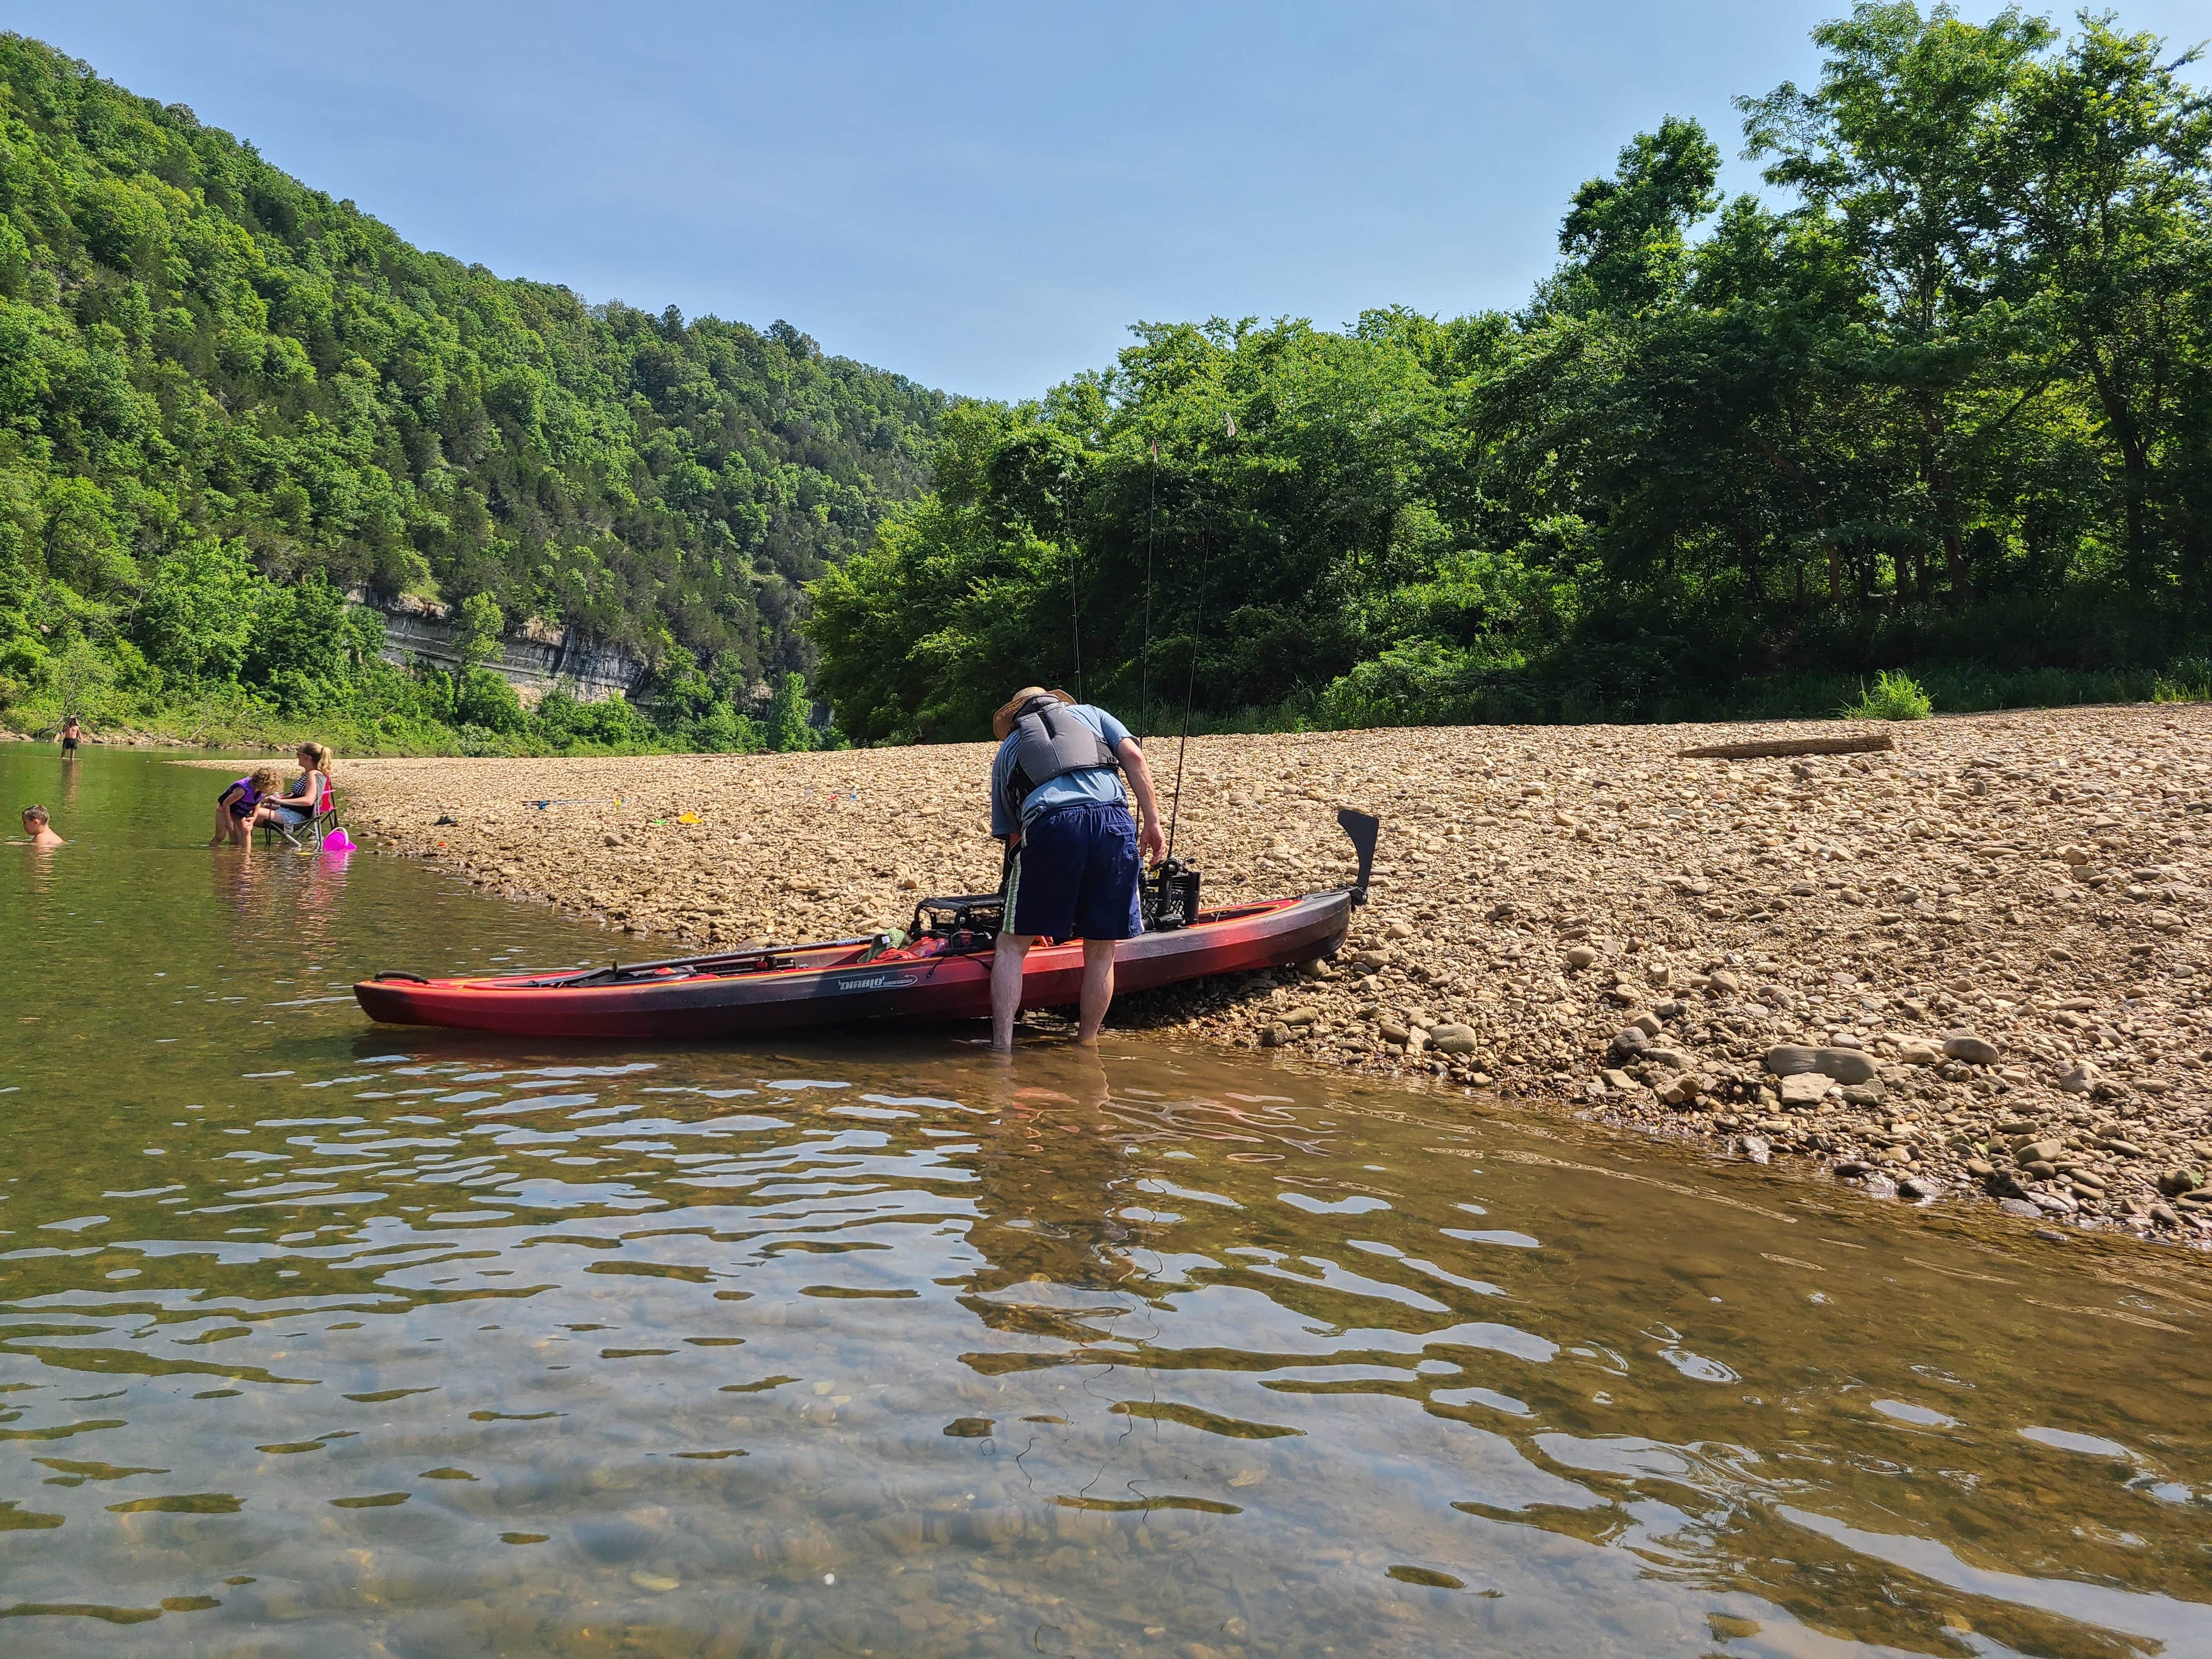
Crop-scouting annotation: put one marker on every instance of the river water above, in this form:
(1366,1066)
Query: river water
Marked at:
(318,1337)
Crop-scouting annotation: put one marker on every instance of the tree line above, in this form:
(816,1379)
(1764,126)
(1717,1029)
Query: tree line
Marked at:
(223,393)
(1943,401)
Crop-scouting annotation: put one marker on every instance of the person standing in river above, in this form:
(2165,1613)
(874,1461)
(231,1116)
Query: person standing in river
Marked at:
(1073,857)
(72,734)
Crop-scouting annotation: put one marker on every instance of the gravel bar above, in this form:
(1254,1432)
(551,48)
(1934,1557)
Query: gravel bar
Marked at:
(1972,963)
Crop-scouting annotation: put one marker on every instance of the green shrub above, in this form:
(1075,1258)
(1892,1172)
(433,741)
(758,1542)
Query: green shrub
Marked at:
(1892,697)
(1422,683)
(2189,680)
(487,700)
(722,731)
(613,723)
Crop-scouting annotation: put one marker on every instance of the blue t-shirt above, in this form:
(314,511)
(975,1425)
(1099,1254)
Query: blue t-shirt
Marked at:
(1102,784)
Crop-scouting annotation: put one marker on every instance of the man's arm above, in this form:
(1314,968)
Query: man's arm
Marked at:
(1003,828)
(1149,842)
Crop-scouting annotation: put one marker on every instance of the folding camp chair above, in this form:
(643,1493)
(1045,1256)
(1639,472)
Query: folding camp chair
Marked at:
(309,836)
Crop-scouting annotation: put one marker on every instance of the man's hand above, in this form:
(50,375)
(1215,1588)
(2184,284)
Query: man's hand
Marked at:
(1149,842)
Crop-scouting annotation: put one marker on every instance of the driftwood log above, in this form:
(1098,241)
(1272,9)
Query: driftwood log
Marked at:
(1865,743)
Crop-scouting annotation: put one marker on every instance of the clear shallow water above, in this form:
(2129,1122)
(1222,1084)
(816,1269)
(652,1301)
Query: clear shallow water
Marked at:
(316,1337)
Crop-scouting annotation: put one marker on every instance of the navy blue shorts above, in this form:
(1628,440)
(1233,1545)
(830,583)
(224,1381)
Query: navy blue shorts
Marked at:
(1075,874)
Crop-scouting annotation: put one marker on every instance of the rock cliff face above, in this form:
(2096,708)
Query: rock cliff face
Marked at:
(1976,963)
(534,661)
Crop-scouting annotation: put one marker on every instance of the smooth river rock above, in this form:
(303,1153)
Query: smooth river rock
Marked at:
(1969,1050)
(1844,1065)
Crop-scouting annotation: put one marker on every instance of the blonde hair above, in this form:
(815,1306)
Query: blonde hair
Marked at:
(37,814)
(262,780)
(1002,722)
(317,755)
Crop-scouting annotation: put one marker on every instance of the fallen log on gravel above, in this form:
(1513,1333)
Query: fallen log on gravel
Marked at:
(1773,748)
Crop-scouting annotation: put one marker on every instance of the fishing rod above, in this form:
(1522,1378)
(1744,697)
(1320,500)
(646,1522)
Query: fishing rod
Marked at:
(1075,596)
(1190,682)
(1145,661)
(1189,691)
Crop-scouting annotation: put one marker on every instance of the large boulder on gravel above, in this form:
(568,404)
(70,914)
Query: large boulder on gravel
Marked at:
(1844,1065)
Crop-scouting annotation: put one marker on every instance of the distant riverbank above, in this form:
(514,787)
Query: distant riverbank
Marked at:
(2030,882)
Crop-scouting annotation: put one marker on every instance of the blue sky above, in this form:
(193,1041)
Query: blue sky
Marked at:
(981,196)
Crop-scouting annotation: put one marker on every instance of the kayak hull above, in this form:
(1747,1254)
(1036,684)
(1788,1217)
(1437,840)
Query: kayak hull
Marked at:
(832,986)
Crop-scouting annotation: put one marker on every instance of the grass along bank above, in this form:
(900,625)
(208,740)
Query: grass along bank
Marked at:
(1417,691)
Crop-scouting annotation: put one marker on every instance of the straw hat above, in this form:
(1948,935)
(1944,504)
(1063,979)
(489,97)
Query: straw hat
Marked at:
(1003,722)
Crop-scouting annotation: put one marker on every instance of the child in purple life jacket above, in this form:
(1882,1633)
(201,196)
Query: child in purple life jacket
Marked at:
(233,808)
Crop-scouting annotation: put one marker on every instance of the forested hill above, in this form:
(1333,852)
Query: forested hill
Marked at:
(1943,401)
(211,374)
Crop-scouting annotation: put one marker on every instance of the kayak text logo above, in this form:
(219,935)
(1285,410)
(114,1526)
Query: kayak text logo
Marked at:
(886,981)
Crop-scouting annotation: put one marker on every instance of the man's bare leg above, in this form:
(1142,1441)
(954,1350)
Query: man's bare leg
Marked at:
(1007,988)
(1097,987)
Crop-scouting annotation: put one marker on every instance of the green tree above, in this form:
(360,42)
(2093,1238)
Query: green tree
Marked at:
(2106,158)
(196,617)
(1630,233)
(82,547)
(1902,140)
(481,628)
(83,678)
(196,349)
(1950,404)
(789,727)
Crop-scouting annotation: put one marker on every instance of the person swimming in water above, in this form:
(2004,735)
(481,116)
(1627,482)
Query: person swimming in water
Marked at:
(38,831)
(233,808)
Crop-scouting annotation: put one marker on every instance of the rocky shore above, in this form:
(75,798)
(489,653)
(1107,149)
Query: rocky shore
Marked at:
(1974,963)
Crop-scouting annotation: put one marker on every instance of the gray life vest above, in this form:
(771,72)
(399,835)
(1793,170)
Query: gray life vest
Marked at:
(1051,743)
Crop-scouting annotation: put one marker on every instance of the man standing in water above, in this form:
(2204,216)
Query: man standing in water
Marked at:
(1074,858)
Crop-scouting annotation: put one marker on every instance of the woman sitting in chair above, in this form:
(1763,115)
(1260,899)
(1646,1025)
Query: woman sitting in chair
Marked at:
(297,807)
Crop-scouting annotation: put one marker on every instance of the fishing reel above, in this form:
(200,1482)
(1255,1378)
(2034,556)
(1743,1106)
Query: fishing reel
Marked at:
(1168,896)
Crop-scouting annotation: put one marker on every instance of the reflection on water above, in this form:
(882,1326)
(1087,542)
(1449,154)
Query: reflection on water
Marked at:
(319,1338)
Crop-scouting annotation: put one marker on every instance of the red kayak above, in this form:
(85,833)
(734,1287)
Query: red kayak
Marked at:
(942,973)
